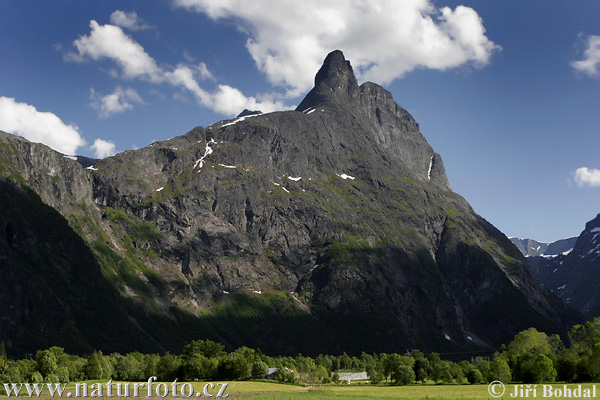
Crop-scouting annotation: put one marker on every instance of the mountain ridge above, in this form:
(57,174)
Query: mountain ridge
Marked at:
(573,275)
(531,247)
(325,229)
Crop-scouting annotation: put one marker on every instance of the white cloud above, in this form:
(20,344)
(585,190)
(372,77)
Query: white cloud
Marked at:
(204,73)
(37,126)
(225,100)
(184,76)
(109,41)
(587,177)
(117,102)
(384,39)
(128,20)
(103,148)
(228,100)
(591,61)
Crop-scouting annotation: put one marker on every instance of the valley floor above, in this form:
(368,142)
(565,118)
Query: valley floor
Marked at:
(357,391)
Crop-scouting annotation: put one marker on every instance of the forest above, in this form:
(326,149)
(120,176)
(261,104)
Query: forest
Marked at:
(531,357)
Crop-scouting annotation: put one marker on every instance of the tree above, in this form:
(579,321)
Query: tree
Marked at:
(36,377)
(198,367)
(335,378)
(499,371)
(593,363)
(76,367)
(402,374)
(456,372)
(62,373)
(127,368)
(526,346)
(260,369)
(345,361)
(436,365)
(149,365)
(392,362)
(585,337)
(325,361)
(539,369)
(422,368)
(12,373)
(46,362)
(207,348)
(474,376)
(483,366)
(335,364)
(566,366)
(375,375)
(233,366)
(168,368)
(317,374)
(93,368)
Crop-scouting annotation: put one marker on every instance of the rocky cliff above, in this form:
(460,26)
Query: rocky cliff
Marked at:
(573,274)
(326,229)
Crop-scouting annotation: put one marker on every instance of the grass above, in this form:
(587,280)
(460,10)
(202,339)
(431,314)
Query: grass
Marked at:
(365,391)
(276,391)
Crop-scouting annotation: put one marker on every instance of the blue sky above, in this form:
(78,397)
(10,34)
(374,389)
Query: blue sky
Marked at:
(506,91)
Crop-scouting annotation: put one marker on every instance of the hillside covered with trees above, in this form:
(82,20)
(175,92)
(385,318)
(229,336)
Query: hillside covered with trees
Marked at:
(531,357)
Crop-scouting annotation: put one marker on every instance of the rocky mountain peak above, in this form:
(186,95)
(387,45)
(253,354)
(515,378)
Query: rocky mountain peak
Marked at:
(335,226)
(336,73)
(247,112)
(334,83)
(595,223)
(573,275)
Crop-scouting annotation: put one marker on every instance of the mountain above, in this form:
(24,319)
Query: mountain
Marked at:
(326,229)
(530,247)
(574,275)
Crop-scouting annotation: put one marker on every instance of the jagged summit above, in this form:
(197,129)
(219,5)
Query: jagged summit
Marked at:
(335,82)
(247,112)
(327,229)
(335,71)
(595,223)
(383,123)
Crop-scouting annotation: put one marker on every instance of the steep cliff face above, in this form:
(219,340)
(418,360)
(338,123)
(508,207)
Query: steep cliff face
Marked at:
(573,274)
(328,228)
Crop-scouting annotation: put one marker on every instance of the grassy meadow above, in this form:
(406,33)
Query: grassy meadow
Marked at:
(355,391)
(365,392)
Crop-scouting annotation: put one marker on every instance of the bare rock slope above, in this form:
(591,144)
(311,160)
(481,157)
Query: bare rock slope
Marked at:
(326,229)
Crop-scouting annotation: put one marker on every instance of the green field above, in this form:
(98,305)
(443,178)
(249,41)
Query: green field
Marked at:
(276,391)
(364,391)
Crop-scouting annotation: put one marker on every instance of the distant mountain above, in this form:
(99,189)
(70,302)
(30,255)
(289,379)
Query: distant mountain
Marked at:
(326,229)
(530,247)
(574,275)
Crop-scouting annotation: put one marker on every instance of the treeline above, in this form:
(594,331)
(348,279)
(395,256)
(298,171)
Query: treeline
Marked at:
(531,357)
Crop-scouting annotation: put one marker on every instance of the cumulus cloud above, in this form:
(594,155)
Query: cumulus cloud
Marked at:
(384,39)
(590,63)
(587,177)
(109,41)
(103,148)
(128,20)
(225,99)
(37,126)
(117,102)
